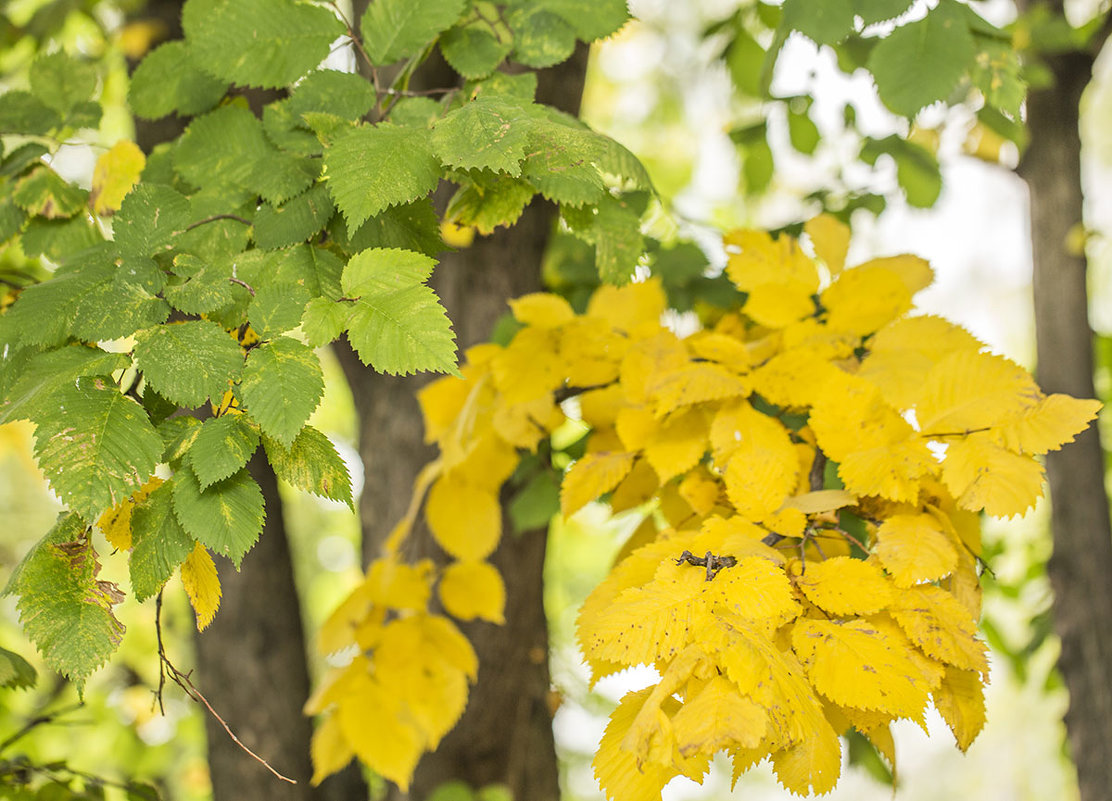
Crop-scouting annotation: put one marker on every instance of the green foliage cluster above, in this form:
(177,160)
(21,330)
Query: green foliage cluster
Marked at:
(247,242)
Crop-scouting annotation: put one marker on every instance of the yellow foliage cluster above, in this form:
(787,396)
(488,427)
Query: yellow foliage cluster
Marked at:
(811,467)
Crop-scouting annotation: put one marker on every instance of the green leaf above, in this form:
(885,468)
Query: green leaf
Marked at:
(116,308)
(316,269)
(533,507)
(222,447)
(917,170)
(324,320)
(487,133)
(61,81)
(311,464)
(923,61)
(397,325)
(280,175)
(282,385)
(998,74)
(21,157)
(206,288)
(411,226)
(541,38)
(345,94)
(227,517)
(488,199)
(43,313)
(23,113)
(395,29)
(473,50)
(618,241)
(46,374)
(266,43)
(802,132)
(65,611)
(97,447)
(295,221)
(45,194)
(158,543)
(168,80)
(744,58)
(190,362)
(827,22)
(591,19)
(178,435)
(59,240)
(562,162)
(874,11)
(15,671)
(149,219)
(371,168)
(277,308)
(223,148)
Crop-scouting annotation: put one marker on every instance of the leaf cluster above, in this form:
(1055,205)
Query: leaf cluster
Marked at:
(810,469)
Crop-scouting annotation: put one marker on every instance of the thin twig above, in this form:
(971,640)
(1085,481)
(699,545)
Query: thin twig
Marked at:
(447,90)
(243,284)
(37,721)
(183,681)
(216,217)
(965,433)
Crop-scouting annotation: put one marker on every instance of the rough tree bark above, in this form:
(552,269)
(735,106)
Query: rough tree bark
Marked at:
(1082,560)
(505,734)
(251,660)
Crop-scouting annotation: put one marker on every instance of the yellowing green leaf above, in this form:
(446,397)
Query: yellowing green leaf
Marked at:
(862,664)
(716,718)
(592,477)
(465,519)
(202,584)
(915,548)
(844,586)
(472,590)
(983,475)
(116,171)
(830,238)
(960,699)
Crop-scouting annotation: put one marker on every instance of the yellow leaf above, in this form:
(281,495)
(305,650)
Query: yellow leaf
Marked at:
(599,408)
(777,305)
(465,520)
(1049,424)
(635,489)
(202,584)
(398,585)
(338,631)
(678,444)
(701,491)
(524,425)
(914,271)
(693,383)
(647,359)
(755,258)
(490,460)
(904,351)
(763,467)
(430,687)
(821,501)
(716,718)
(592,477)
(940,626)
(914,548)
(592,351)
(634,309)
(136,38)
(616,769)
(443,400)
(983,475)
(967,391)
(116,171)
(794,378)
(812,766)
(830,238)
(863,664)
(843,586)
(960,699)
(329,749)
(372,721)
(864,299)
(529,367)
(725,350)
(472,590)
(542,310)
(457,236)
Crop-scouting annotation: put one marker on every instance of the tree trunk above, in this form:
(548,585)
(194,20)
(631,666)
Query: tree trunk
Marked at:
(251,659)
(1082,560)
(505,734)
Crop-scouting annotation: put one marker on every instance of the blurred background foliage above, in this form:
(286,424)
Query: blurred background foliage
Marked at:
(672,86)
